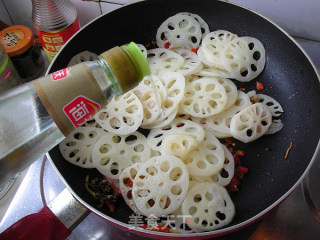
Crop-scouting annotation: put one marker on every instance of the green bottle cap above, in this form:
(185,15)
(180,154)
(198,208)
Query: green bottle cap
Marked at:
(127,66)
(138,59)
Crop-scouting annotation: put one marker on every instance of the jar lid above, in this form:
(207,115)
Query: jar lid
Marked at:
(16,39)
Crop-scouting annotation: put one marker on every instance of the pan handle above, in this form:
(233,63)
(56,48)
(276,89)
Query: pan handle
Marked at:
(53,222)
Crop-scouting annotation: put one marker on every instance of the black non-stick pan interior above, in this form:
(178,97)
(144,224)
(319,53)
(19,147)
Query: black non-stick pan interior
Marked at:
(288,76)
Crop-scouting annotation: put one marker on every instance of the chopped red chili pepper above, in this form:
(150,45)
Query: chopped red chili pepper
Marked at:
(128,182)
(167,45)
(239,170)
(230,149)
(114,188)
(259,85)
(242,89)
(194,50)
(111,207)
(234,184)
(159,228)
(240,153)
(229,141)
(236,159)
(243,169)
(129,194)
(163,228)
(103,191)
(144,226)
(254,100)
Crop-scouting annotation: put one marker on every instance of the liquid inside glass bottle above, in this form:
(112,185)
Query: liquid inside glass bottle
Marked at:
(34,121)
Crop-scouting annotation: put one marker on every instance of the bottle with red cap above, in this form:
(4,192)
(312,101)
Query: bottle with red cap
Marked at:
(55,22)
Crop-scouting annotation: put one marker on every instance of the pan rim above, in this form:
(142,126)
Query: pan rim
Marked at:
(221,231)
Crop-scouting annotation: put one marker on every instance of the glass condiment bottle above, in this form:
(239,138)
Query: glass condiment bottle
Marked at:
(55,21)
(19,43)
(37,115)
(9,76)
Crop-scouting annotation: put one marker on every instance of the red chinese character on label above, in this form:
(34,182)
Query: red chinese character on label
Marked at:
(80,110)
(58,75)
(6,75)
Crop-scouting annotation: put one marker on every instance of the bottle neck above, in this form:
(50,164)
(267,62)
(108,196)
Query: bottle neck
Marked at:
(48,15)
(108,71)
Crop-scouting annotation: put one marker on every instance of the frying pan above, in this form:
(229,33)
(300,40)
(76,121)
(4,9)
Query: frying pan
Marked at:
(289,77)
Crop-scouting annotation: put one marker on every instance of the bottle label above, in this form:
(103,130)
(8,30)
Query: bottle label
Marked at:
(71,96)
(6,75)
(80,110)
(52,42)
(9,77)
(61,74)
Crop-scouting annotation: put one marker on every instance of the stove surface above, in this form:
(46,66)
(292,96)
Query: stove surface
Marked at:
(292,219)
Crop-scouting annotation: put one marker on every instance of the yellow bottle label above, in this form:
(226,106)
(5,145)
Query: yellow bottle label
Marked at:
(71,96)
(9,76)
(52,42)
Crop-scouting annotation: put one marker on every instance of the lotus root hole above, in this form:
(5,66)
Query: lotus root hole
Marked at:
(196,108)
(197,198)
(256,55)
(71,144)
(176,190)
(204,223)
(152,171)
(104,161)
(103,116)
(73,153)
(135,159)
(114,169)
(164,202)
(150,203)
(143,192)
(92,134)
(175,174)
(213,104)
(212,147)
(115,123)
(224,173)
(208,196)
(164,167)
(131,139)
(105,148)
(78,136)
(192,210)
(183,23)
(201,164)
(220,215)
(129,194)
(139,148)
